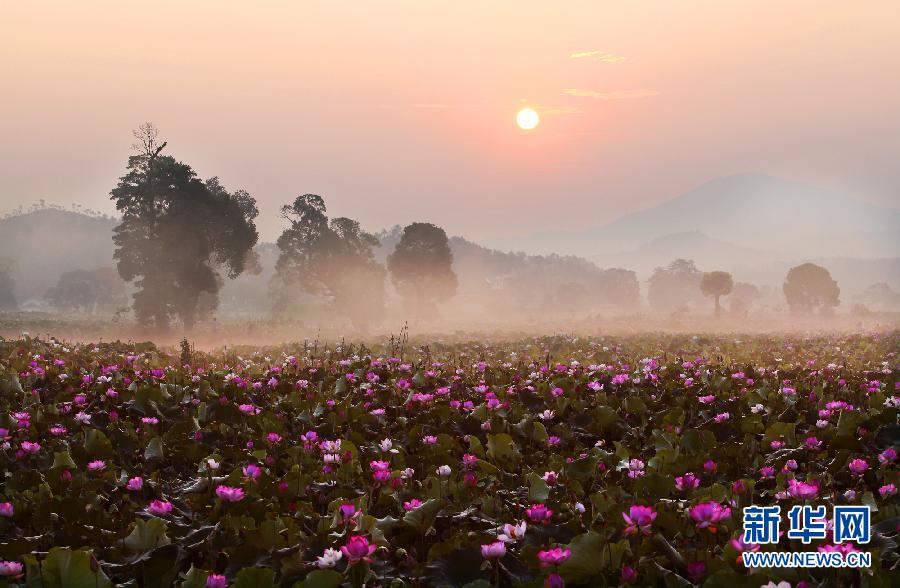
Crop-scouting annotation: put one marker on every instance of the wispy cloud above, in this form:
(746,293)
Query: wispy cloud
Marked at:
(613,95)
(435,105)
(559,110)
(597,55)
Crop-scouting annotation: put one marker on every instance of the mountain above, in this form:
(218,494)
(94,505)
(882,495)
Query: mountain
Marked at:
(43,244)
(704,250)
(772,215)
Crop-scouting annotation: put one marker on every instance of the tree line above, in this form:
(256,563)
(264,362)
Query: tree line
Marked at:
(179,234)
(807,288)
(180,238)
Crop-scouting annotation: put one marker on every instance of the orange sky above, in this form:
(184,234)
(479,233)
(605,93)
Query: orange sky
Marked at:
(404,111)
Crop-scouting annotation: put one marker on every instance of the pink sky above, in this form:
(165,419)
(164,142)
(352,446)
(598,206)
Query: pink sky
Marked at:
(405,111)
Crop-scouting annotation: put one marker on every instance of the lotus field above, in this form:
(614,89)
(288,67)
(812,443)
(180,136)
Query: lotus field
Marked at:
(556,461)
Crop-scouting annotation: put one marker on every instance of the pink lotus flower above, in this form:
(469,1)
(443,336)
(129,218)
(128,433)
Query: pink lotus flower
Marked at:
(358,549)
(10,569)
(696,570)
(135,484)
(31,448)
(858,466)
(639,519)
(554,580)
(251,472)
(887,456)
(706,514)
(802,490)
(843,548)
(96,465)
(687,482)
(216,581)
(494,550)
(230,494)
(379,466)
(554,557)
(813,443)
(348,511)
(738,545)
(159,508)
(628,575)
(6,509)
(887,490)
(412,503)
(512,533)
(539,513)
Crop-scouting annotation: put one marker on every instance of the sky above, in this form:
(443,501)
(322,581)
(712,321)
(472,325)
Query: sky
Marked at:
(397,112)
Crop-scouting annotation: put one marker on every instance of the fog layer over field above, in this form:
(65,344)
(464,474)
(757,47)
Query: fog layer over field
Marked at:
(183,255)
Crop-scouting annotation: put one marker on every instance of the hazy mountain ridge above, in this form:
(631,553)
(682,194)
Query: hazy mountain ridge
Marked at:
(793,223)
(48,242)
(754,211)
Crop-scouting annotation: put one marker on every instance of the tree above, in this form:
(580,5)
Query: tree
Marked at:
(809,287)
(7,285)
(880,296)
(716,284)
(421,267)
(742,296)
(674,286)
(88,291)
(619,287)
(177,233)
(333,259)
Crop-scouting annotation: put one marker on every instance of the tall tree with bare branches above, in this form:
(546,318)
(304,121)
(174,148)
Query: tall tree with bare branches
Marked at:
(177,234)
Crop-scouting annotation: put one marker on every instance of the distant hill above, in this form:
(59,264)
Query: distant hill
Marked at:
(46,243)
(709,225)
(771,215)
(704,250)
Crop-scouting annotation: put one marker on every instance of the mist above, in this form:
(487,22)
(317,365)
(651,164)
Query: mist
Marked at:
(70,286)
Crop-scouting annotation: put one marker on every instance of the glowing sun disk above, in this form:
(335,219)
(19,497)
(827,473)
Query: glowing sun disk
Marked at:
(527,119)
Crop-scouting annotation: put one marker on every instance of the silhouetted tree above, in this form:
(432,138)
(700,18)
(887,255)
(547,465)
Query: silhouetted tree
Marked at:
(334,259)
(809,287)
(177,231)
(880,296)
(716,284)
(742,297)
(421,267)
(675,285)
(7,285)
(572,298)
(619,287)
(88,291)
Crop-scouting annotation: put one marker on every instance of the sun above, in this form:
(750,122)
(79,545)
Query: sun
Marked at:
(527,119)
